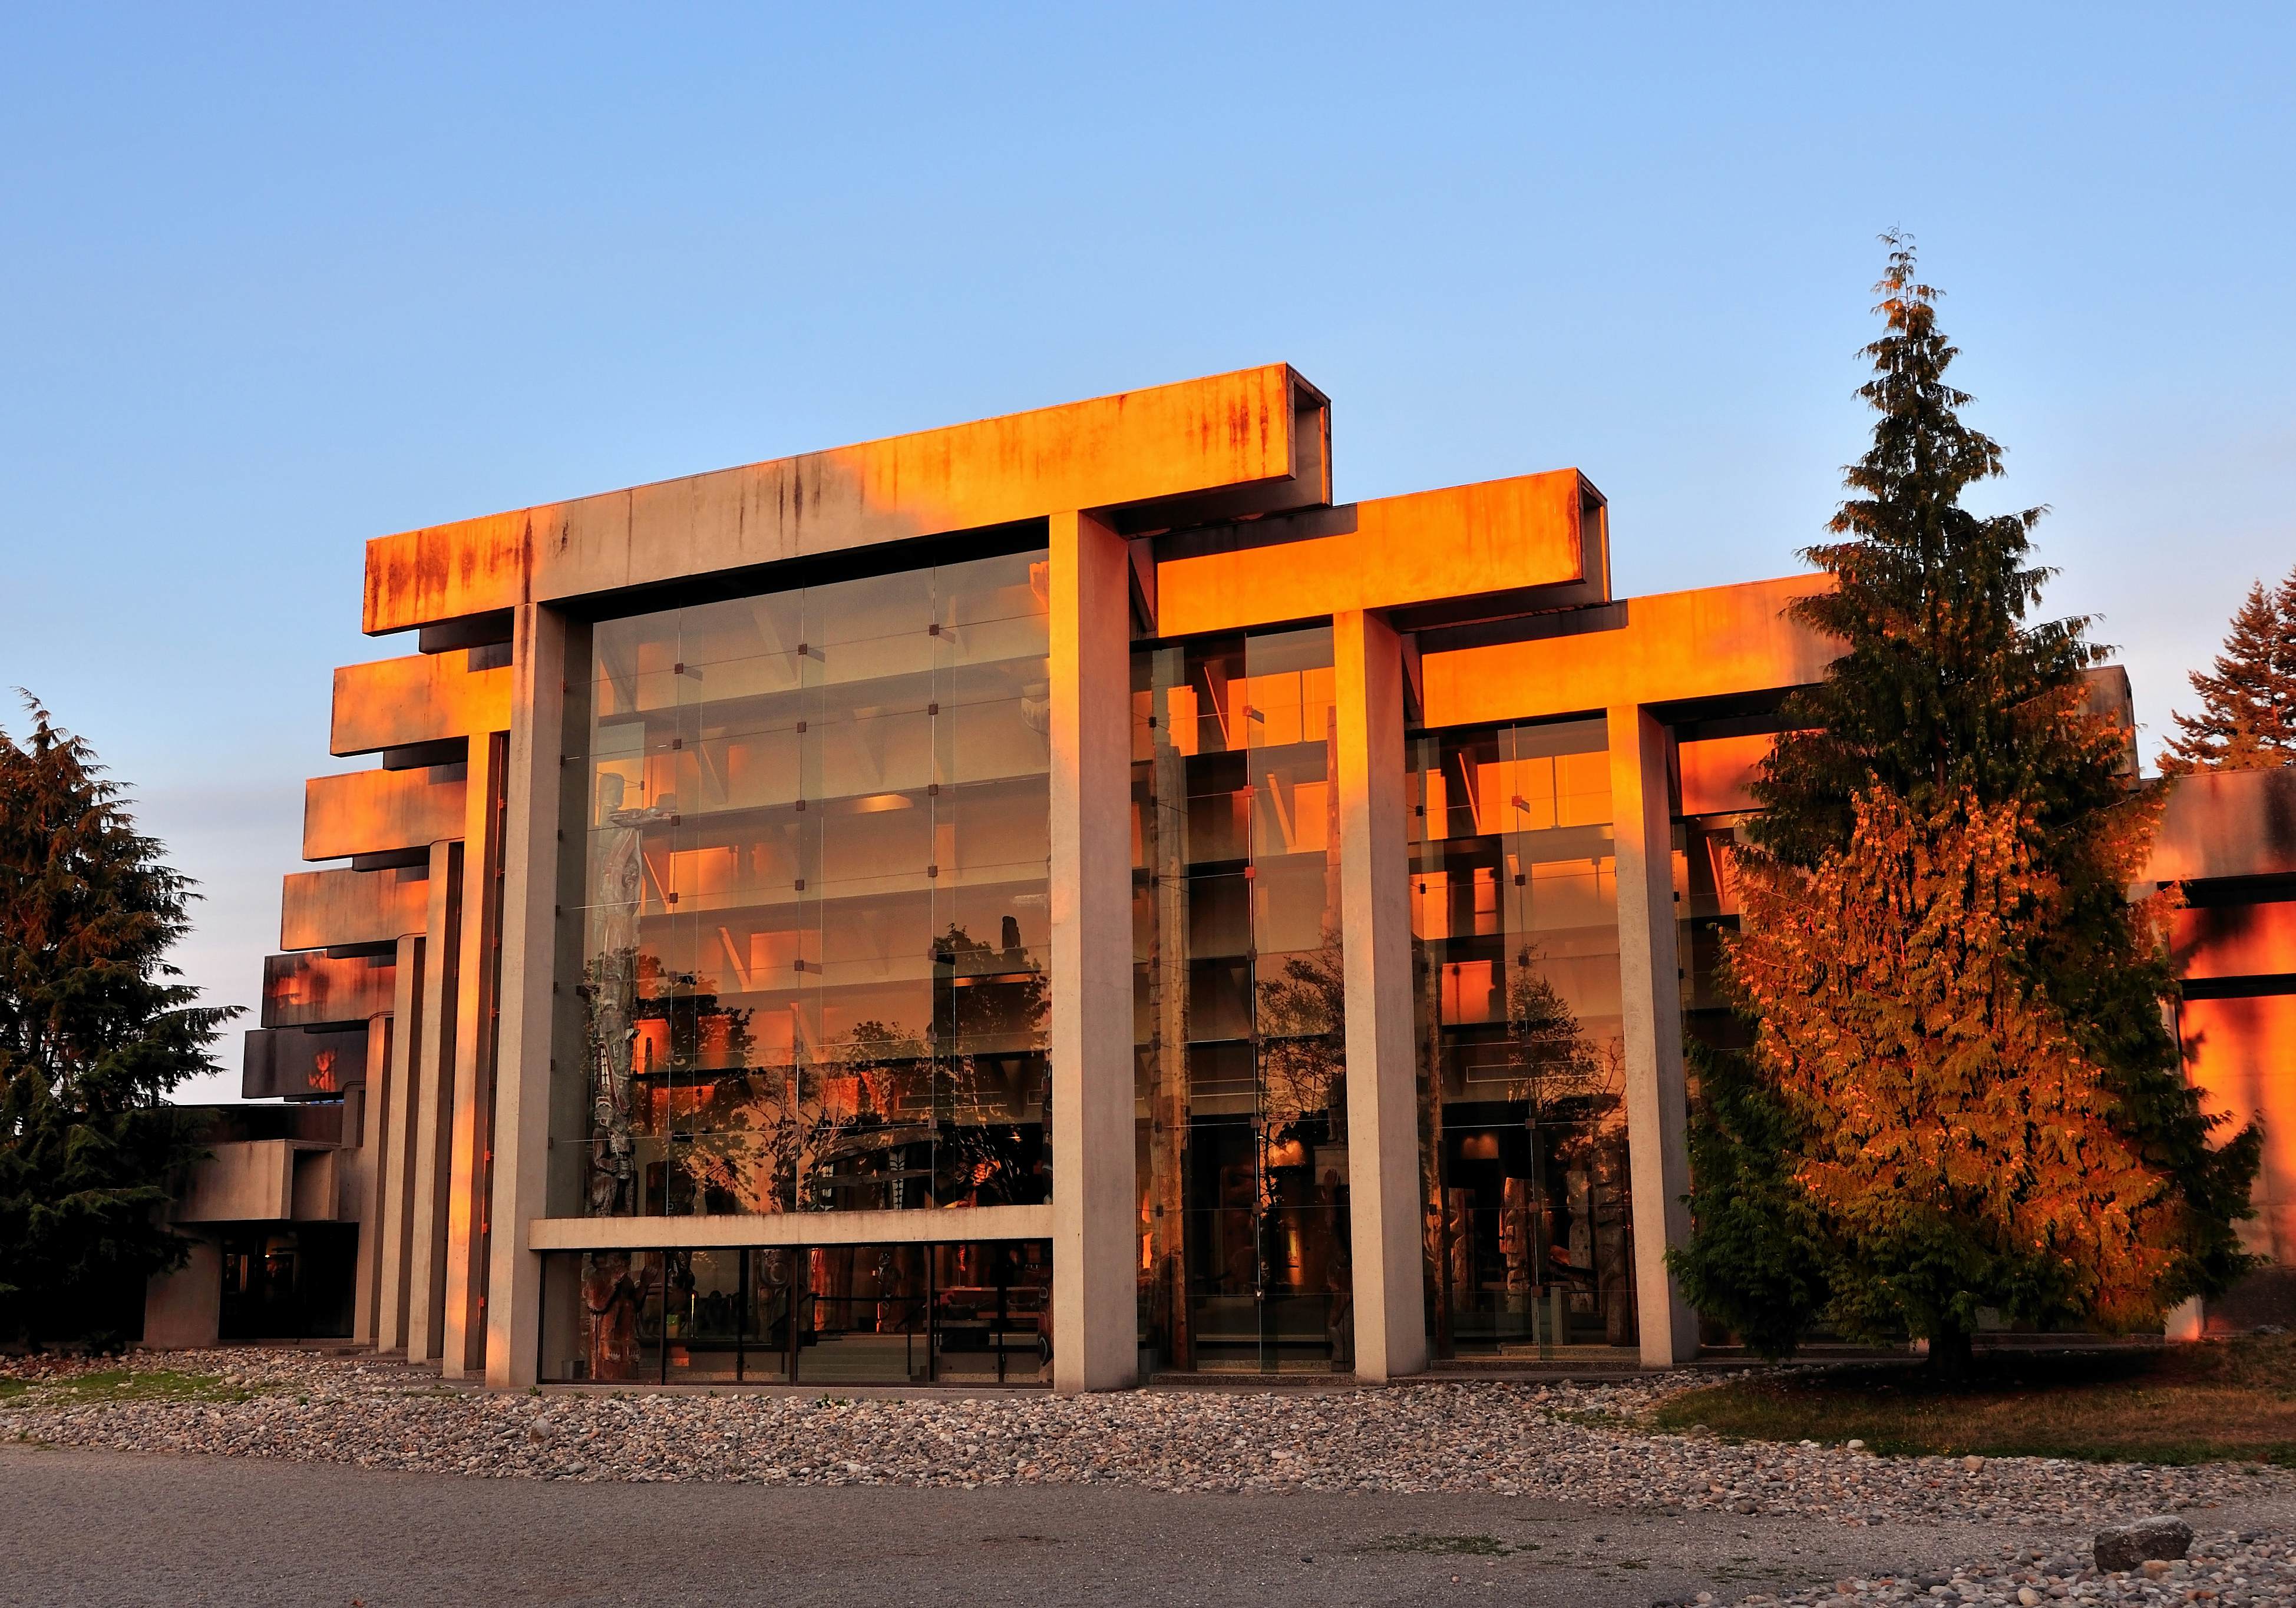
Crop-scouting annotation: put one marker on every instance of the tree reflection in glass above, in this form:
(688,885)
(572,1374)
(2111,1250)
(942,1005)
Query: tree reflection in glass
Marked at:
(609,993)
(890,1114)
(1301,1135)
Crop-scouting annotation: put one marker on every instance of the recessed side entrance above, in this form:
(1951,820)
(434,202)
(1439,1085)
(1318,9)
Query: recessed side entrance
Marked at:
(291,1283)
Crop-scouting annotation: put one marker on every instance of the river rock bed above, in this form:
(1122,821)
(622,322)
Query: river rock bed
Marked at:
(2225,1568)
(1566,1441)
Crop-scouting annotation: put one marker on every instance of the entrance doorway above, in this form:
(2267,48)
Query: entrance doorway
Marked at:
(288,1284)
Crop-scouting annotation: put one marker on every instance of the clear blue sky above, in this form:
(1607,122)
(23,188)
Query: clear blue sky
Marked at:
(280,280)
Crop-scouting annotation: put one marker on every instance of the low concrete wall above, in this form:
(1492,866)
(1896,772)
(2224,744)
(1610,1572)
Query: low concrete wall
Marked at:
(184,1309)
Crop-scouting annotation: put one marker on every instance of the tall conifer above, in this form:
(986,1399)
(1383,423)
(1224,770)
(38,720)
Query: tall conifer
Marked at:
(2248,708)
(1951,718)
(94,1033)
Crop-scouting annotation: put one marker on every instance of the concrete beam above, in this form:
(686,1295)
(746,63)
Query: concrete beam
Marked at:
(378,812)
(2234,941)
(297,1063)
(1502,535)
(332,908)
(240,1181)
(1667,647)
(2228,823)
(1255,431)
(1095,1233)
(424,698)
(307,989)
(782,1229)
(1391,1323)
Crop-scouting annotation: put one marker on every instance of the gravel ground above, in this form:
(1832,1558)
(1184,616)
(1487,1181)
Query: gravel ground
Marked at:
(2227,1567)
(1573,1443)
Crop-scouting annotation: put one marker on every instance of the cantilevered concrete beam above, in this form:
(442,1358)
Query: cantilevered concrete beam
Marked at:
(1501,536)
(424,698)
(1669,647)
(339,909)
(381,811)
(306,990)
(1260,434)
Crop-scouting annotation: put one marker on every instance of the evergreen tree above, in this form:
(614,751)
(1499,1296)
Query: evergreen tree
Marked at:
(94,1034)
(2248,708)
(1947,714)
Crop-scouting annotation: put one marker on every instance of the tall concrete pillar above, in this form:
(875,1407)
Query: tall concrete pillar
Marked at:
(1095,1249)
(374,1107)
(1658,1139)
(395,1164)
(530,860)
(462,1319)
(1390,1319)
(429,1133)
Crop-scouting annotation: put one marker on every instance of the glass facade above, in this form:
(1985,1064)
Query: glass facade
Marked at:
(1514,929)
(807,927)
(975,1312)
(1705,880)
(1239,1017)
(804,968)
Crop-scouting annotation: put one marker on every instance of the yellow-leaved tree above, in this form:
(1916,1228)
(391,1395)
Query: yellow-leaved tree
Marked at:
(1961,1147)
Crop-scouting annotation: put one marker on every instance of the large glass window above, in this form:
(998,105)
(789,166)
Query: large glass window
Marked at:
(969,1313)
(1706,891)
(812,918)
(1514,927)
(1239,1015)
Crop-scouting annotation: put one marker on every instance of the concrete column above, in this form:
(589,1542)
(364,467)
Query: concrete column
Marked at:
(1658,1139)
(1375,921)
(395,1162)
(428,1130)
(1168,1112)
(374,1141)
(463,1335)
(530,859)
(1096,1251)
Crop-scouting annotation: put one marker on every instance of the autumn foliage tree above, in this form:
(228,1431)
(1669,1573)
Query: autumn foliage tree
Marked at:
(94,1033)
(1958,1145)
(2247,720)
(1962,1092)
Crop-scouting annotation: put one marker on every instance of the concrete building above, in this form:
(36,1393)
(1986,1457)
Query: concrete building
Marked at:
(2228,841)
(1053,897)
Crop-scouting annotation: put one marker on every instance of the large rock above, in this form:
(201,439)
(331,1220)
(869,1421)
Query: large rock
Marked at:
(2126,1546)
